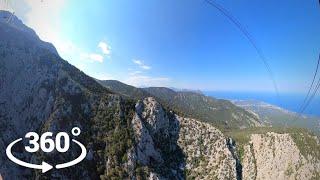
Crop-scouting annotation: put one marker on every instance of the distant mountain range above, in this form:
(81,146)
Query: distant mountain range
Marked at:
(221,113)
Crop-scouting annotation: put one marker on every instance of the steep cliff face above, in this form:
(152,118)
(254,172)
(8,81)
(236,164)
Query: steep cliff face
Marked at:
(156,132)
(206,149)
(174,147)
(277,156)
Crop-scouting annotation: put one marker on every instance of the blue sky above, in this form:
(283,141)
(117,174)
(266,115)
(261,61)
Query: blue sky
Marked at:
(183,44)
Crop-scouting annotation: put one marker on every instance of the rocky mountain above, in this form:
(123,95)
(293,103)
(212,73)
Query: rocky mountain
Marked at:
(277,153)
(126,138)
(268,157)
(278,117)
(221,113)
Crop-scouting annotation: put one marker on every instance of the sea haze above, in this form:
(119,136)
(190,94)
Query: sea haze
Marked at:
(287,101)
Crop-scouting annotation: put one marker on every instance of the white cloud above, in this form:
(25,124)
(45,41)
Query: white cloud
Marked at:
(137,62)
(96,57)
(145,67)
(92,57)
(105,48)
(142,81)
(141,64)
(135,73)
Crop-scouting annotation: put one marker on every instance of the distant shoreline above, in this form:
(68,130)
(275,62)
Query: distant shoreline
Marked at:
(288,101)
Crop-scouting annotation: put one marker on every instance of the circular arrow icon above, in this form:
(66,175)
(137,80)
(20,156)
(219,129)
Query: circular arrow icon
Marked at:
(45,166)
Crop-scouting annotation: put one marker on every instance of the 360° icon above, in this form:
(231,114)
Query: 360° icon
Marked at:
(48,145)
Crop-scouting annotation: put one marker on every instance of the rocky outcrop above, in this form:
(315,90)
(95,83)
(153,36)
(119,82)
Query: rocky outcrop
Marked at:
(192,149)
(156,132)
(145,149)
(277,156)
(206,149)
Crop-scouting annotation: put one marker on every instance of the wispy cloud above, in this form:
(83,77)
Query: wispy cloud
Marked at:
(141,64)
(142,81)
(105,48)
(145,67)
(93,57)
(137,62)
(135,73)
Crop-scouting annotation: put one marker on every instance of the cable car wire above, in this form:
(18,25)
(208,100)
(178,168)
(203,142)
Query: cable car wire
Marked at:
(306,99)
(246,33)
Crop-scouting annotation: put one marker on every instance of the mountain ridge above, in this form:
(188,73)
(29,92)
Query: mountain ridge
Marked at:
(10,20)
(221,113)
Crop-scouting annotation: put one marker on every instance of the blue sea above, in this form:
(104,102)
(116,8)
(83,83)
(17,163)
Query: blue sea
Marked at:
(287,101)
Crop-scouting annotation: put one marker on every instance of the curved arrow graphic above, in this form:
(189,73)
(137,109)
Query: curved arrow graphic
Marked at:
(76,161)
(44,166)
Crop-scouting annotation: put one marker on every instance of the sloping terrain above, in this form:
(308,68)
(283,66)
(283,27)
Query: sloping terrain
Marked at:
(222,113)
(124,89)
(207,151)
(277,156)
(277,153)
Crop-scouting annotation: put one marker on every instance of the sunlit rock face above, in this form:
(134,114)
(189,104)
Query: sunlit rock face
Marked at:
(206,149)
(277,156)
(189,147)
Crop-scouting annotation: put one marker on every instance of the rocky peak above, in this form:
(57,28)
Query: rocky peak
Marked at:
(13,26)
(11,20)
(153,115)
(156,135)
(179,146)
